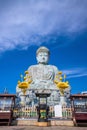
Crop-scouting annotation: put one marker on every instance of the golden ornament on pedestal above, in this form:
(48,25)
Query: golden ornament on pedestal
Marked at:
(61,85)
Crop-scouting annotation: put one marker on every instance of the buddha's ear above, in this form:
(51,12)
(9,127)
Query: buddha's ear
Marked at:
(37,58)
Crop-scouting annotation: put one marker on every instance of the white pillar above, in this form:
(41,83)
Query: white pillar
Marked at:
(62,100)
(23,99)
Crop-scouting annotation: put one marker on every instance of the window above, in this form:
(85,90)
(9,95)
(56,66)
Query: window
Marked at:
(80,104)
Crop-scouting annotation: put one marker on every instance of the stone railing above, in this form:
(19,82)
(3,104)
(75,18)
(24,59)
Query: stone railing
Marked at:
(25,112)
(67,112)
(31,112)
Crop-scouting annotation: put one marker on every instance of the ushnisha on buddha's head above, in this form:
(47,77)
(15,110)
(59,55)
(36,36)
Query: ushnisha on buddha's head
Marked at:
(42,55)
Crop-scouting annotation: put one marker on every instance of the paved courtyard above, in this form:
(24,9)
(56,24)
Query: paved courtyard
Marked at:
(41,128)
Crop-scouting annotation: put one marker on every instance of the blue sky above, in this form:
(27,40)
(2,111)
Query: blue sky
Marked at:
(59,25)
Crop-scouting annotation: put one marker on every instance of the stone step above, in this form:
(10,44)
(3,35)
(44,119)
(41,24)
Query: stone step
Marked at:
(33,122)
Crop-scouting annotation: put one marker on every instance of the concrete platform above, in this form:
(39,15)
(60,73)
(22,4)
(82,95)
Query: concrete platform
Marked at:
(33,122)
(41,128)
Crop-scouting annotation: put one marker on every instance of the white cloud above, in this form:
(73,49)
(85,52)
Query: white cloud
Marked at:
(23,23)
(75,72)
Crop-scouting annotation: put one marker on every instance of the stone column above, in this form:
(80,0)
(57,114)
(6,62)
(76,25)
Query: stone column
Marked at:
(23,100)
(62,100)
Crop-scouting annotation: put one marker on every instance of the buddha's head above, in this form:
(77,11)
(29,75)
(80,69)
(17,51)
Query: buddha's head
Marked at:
(42,55)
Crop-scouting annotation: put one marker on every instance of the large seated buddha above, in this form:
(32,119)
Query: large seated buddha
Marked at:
(42,76)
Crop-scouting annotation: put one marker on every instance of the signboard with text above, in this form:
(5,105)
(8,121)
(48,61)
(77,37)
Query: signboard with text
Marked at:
(58,110)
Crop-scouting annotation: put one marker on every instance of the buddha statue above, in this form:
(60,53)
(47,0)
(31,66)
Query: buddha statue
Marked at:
(42,76)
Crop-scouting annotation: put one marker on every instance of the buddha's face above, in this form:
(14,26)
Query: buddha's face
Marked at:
(42,57)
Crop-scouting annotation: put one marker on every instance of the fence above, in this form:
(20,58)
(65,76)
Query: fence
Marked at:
(31,112)
(67,112)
